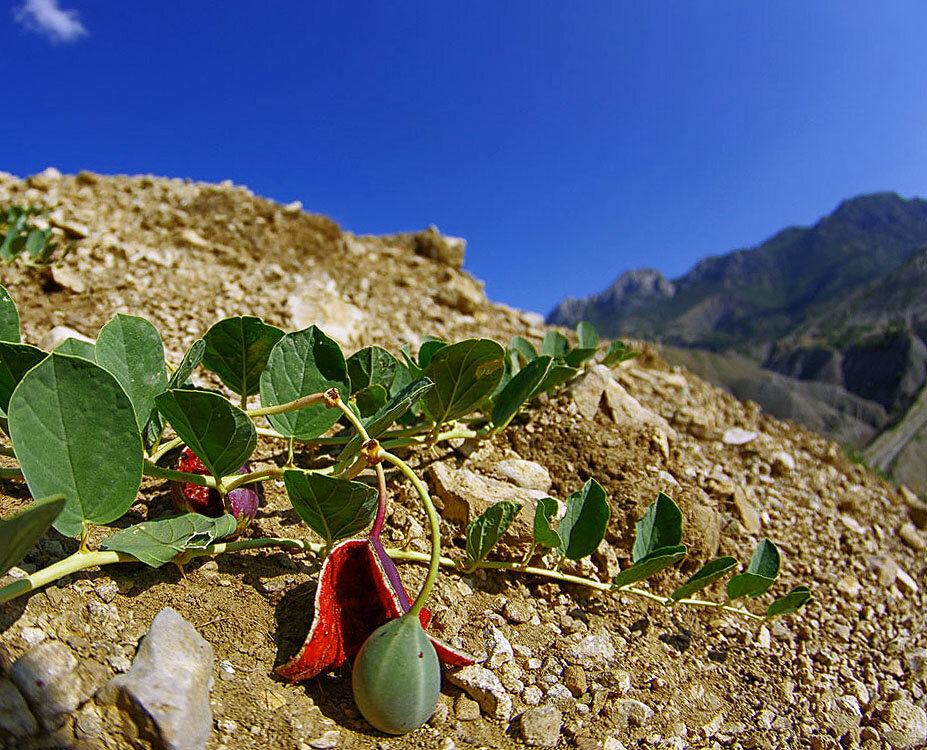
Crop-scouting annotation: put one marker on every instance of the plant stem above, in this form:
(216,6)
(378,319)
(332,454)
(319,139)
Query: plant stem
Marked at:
(204,480)
(164,448)
(300,403)
(234,481)
(433,523)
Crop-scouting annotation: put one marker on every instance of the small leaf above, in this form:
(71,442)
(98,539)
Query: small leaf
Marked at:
(191,360)
(9,317)
(157,542)
(656,561)
(544,513)
(301,363)
(661,526)
(333,508)
(760,574)
(797,598)
(524,349)
(35,242)
(130,348)
(556,375)
(519,390)
(371,399)
(77,348)
(588,345)
(373,365)
(385,417)
(555,344)
(464,374)
(218,432)
(20,533)
(484,531)
(707,575)
(431,345)
(583,525)
(15,361)
(237,349)
(617,353)
(74,433)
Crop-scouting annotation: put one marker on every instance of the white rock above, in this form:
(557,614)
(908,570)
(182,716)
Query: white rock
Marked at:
(498,647)
(58,334)
(485,688)
(595,649)
(738,436)
(528,475)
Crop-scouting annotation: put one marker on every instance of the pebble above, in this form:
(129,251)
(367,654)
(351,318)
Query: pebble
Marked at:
(633,712)
(518,611)
(528,475)
(916,662)
(466,709)
(541,726)
(532,696)
(595,648)
(498,648)
(844,715)
(326,741)
(912,537)
(33,636)
(560,696)
(15,717)
(738,436)
(485,688)
(574,677)
(166,692)
(904,724)
(107,591)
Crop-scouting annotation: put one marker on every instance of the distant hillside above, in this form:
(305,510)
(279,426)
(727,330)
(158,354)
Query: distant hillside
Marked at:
(830,321)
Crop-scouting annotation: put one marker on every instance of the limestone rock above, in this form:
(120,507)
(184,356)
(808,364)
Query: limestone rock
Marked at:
(528,475)
(15,717)
(738,436)
(748,513)
(69,278)
(595,649)
(485,688)
(58,334)
(904,724)
(540,727)
(167,690)
(632,712)
(325,308)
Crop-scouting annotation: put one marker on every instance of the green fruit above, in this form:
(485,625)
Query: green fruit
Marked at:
(397,677)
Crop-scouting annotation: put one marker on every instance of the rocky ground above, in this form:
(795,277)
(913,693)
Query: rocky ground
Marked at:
(559,665)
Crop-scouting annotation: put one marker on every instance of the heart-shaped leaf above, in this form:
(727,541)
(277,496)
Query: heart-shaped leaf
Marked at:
(588,344)
(302,363)
(797,598)
(544,513)
(386,416)
(464,374)
(15,361)
(484,531)
(371,399)
(524,350)
(373,365)
(237,349)
(519,390)
(20,533)
(191,360)
(74,433)
(556,375)
(707,575)
(9,317)
(583,526)
(218,432)
(617,353)
(130,348)
(661,526)
(653,563)
(431,345)
(77,348)
(761,573)
(555,344)
(157,542)
(333,508)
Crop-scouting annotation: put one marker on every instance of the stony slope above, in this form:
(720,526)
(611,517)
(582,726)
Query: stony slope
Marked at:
(617,671)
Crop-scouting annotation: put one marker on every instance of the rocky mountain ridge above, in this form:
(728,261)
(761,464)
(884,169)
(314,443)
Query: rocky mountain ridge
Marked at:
(825,325)
(559,665)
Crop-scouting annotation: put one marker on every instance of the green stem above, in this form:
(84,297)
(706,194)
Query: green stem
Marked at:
(353,419)
(300,403)
(204,480)
(435,558)
(428,437)
(164,448)
(235,481)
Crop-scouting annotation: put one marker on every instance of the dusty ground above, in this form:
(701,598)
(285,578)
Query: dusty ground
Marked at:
(185,254)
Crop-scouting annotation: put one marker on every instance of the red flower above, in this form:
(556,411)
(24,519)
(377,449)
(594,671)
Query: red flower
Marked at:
(195,498)
(359,590)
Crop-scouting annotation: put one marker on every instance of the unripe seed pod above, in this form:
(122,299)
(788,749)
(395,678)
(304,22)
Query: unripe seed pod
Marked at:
(397,677)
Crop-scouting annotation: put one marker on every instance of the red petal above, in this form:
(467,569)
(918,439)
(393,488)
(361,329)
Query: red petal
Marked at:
(353,599)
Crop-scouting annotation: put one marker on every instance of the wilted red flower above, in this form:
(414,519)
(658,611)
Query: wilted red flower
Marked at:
(195,498)
(359,590)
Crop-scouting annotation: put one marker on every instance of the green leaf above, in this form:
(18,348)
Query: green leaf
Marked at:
(431,345)
(707,575)
(617,353)
(20,533)
(191,360)
(217,431)
(237,349)
(301,363)
(371,399)
(797,598)
(385,417)
(157,542)
(656,561)
(464,374)
(130,348)
(373,365)
(544,513)
(77,348)
(556,375)
(333,508)
(484,531)
(9,317)
(661,526)
(35,242)
(555,344)
(588,345)
(519,390)
(761,573)
(583,525)
(74,433)
(524,349)
(15,361)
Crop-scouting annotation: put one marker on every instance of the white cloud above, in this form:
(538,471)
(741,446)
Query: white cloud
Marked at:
(45,17)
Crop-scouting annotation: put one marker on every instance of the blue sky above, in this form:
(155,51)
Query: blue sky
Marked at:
(567,142)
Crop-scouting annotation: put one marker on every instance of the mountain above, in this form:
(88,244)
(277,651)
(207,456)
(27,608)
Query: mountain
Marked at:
(825,325)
